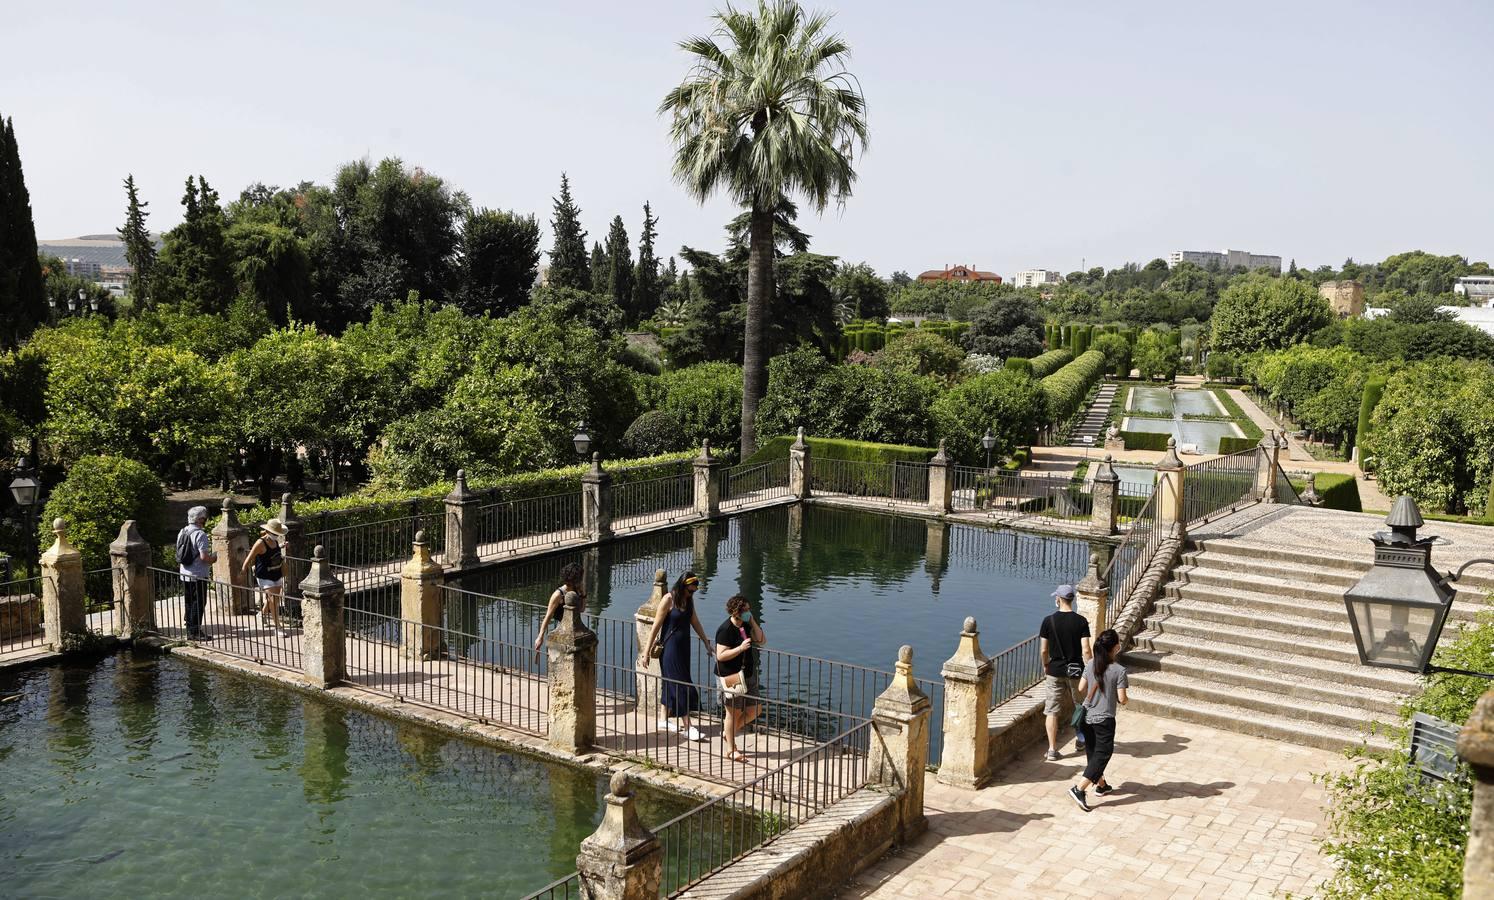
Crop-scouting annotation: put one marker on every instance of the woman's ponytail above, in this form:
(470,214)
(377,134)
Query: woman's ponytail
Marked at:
(1105,646)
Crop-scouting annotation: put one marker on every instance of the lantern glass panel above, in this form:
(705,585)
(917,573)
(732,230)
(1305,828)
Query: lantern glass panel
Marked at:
(1395,635)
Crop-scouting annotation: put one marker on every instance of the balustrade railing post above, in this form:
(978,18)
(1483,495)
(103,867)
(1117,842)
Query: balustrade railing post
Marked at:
(1267,458)
(596,501)
(63,592)
(1171,472)
(1476,748)
(573,680)
(800,461)
(941,485)
(900,744)
(1092,597)
(1104,492)
(134,591)
(323,644)
(621,860)
(295,546)
(647,667)
(420,603)
(231,543)
(461,524)
(967,709)
(707,483)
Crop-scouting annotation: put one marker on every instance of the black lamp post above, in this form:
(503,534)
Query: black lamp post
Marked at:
(25,490)
(1398,608)
(582,441)
(989,442)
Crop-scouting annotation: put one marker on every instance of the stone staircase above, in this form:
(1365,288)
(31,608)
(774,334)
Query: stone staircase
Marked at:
(1093,424)
(1257,641)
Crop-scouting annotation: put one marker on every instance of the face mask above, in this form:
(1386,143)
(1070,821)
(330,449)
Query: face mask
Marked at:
(746,615)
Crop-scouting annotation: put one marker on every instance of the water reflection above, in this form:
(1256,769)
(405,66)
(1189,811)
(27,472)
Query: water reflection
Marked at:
(137,683)
(324,755)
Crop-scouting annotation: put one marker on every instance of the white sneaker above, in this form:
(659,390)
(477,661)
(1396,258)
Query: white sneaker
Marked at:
(694,734)
(668,725)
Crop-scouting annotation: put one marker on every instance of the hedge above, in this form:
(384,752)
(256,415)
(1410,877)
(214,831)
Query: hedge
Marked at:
(1337,489)
(1066,389)
(1018,364)
(1047,363)
(840,448)
(1145,440)
(1230,444)
(98,495)
(1374,389)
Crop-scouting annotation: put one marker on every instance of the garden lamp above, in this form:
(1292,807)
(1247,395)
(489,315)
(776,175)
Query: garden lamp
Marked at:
(24,488)
(93,304)
(72,304)
(1398,608)
(988,441)
(582,440)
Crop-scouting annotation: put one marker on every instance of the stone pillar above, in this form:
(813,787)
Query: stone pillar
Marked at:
(420,603)
(63,593)
(967,710)
(1267,458)
(1092,597)
(621,860)
(323,648)
(596,501)
(461,524)
(941,482)
(647,669)
(1170,474)
(1105,492)
(707,483)
(294,543)
(1476,747)
(900,744)
(1310,494)
(799,467)
(134,591)
(231,543)
(573,680)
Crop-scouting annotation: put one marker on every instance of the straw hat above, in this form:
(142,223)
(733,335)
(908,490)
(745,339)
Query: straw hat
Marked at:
(275,527)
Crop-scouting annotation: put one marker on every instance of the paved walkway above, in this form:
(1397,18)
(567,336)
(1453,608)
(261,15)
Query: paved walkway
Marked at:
(1197,812)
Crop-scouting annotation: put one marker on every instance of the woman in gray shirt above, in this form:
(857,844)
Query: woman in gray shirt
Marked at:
(1104,688)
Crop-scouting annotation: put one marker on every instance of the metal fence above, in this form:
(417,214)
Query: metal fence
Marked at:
(1219,486)
(638,504)
(384,545)
(754,483)
(1016,669)
(1135,552)
(248,635)
(100,617)
(896,482)
(21,614)
(1285,491)
(1011,551)
(1054,496)
(514,526)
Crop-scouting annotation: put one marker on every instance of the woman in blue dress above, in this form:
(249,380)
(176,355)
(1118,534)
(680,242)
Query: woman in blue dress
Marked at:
(675,618)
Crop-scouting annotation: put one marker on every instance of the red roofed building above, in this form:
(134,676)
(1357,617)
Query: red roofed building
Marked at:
(959,273)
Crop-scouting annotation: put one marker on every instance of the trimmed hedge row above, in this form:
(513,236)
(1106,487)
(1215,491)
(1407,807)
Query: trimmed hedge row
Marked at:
(1145,440)
(1374,389)
(1046,364)
(1066,389)
(1230,444)
(869,337)
(1339,490)
(840,448)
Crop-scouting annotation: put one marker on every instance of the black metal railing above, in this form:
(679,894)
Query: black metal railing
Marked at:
(1010,551)
(1053,496)
(894,482)
(21,614)
(380,546)
(1219,486)
(99,614)
(514,526)
(247,634)
(1130,559)
(640,504)
(755,483)
(1283,489)
(1016,669)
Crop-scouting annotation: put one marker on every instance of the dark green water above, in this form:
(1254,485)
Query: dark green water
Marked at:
(143,777)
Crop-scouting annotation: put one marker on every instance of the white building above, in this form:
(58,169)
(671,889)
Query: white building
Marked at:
(1479,317)
(1229,259)
(1479,289)
(1036,278)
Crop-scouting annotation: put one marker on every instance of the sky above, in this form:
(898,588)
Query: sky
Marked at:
(1003,135)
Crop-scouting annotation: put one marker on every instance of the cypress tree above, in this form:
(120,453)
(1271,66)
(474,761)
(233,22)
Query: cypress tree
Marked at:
(194,268)
(140,250)
(568,263)
(646,286)
(599,270)
(23,298)
(619,264)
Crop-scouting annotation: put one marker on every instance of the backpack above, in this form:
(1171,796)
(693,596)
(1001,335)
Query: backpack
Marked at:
(186,548)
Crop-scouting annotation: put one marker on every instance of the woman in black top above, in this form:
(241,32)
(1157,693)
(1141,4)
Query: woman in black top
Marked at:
(266,560)
(736,667)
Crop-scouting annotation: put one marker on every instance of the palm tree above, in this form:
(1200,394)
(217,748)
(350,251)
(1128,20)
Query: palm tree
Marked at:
(768,110)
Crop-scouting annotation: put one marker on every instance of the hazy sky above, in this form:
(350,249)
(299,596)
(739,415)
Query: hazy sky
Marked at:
(1006,135)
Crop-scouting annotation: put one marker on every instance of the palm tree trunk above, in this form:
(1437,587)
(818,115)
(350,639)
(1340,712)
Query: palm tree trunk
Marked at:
(759,290)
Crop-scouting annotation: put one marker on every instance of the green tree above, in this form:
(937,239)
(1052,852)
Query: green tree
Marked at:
(1264,313)
(139,246)
(648,288)
(846,401)
(568,263)
(97,496)
(288,383)
(703,402)
(1433,435)
(920,352)
(194,268)
(1009,325)
(1117,352)
(1154,356)
(1008,404)
(497,261)
(859,293)
(271,266)
(619,265)
(23,302)
(769,109)
(601,272)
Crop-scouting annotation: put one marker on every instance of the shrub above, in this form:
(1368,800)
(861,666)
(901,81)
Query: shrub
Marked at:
(1145,440)
(1231,444)
(656,431)
(1339,490)
(1009,404)
(839,448)
(705,401)
(1019,365)
(1223,365)
(1066,389)
(921,352)
(857,402)
(1117,352)
(1050,362)
(1374,389)
(98,495)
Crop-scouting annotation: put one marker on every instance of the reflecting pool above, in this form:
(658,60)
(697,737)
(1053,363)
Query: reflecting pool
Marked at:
(1166,401)
(139,777)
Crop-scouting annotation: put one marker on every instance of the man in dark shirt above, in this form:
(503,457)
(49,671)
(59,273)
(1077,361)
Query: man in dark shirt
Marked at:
(1065,649)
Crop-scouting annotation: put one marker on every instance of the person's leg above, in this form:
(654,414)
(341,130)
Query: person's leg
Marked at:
(1087,731)
(1052,707)
(1079,742)
(1101,737)
(729,731)
(272,604)
(195,595)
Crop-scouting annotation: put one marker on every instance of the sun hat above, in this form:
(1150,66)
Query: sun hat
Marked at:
(275,527)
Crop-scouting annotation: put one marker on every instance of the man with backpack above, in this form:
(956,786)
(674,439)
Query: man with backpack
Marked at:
(1064,638)
(194,561)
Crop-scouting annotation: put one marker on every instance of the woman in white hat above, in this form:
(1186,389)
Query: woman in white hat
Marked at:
(268,562)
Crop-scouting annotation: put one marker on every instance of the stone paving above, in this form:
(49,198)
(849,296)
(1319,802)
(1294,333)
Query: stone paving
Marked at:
(1196,812)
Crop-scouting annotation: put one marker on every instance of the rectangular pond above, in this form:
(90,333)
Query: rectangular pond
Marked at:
(135,776)
(1201,433)
(1166,401)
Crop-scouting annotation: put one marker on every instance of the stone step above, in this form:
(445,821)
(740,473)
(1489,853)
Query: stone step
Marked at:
(1476,582)
(1268,605)
(1170,611)
(1265,568)
(1274,662)
(1266,725)
(1339,652)
(1219,694)
(1382,702)
(1466,606)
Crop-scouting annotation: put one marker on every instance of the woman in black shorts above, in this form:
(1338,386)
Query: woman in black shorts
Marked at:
(736,668)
